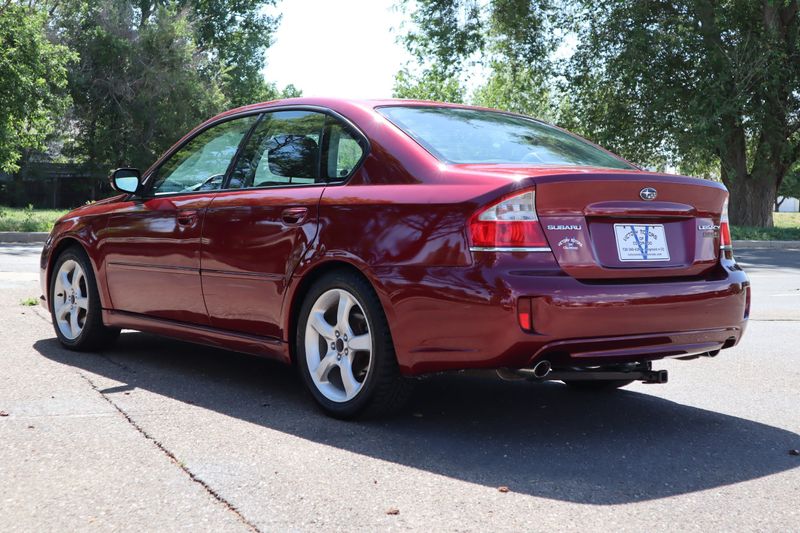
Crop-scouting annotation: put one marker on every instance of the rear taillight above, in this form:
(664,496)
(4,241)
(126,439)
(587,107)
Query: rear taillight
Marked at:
(508,225)
(725,242)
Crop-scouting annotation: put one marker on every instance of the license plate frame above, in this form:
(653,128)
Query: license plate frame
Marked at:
(641,243)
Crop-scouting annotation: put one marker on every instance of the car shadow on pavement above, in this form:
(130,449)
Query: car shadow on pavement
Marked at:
(542,440)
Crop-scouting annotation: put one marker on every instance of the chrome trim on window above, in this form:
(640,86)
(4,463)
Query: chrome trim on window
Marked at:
(509,249)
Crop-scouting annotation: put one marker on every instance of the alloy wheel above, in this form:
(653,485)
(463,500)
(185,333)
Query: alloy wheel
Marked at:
(70,299)
(338,345)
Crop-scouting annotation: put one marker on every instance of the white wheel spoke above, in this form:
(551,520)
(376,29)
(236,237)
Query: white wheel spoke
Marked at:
(325,366)
(74,327)
(83,303)
(351,386)
(62,311)
(62,277)
(343,312)
(361,342)
(77,275)
(320,325)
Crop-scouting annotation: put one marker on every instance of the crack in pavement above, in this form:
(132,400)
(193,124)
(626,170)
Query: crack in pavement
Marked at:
(171,456)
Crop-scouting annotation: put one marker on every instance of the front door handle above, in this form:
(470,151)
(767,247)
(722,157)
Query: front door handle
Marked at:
(187,218)
(294,215)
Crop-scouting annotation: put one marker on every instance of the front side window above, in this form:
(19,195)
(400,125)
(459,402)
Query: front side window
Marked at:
(284,149)
(200,164)
(458,135)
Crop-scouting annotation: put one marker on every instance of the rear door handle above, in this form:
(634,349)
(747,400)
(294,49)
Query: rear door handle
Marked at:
(187,218)
(294,215)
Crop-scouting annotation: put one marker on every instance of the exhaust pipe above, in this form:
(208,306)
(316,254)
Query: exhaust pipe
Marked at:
(541,369)
(506,374)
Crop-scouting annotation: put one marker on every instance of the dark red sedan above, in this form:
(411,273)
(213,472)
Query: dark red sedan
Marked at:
(370,241)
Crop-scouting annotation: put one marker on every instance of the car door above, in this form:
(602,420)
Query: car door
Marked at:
(152,243)
(256,233)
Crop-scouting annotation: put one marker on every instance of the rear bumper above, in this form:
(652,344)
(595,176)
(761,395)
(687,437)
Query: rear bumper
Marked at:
(467,317)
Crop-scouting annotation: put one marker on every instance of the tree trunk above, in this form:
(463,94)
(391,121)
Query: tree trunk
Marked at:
(752,201)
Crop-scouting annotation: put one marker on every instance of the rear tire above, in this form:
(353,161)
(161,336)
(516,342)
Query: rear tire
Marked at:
(598,386)
(75,304)
(345,352)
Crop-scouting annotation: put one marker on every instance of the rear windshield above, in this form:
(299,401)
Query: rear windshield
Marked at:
(457,135)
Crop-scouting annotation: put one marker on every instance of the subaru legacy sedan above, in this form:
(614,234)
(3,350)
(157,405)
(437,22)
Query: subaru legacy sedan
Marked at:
(369,242)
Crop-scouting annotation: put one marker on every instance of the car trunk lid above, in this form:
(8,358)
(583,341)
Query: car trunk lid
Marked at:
(633,225)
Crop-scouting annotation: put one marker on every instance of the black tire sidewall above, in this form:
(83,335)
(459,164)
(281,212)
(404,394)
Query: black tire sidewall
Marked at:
(370,305)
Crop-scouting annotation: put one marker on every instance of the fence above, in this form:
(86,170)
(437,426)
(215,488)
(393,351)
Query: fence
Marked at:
(53,185)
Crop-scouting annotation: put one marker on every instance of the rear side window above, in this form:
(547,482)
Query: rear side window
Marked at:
(297,148)
(344,151)
(284,149)
(457,135)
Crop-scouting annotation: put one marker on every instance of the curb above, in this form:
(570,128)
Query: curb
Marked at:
(23,237)
(766,245)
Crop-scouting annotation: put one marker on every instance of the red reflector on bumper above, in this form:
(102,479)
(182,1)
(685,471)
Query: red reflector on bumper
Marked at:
(524,314)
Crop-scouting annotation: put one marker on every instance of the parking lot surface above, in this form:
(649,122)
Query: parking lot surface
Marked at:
(161,435)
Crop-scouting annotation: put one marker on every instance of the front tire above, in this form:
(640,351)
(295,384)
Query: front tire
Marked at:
(345,352)
(75,304)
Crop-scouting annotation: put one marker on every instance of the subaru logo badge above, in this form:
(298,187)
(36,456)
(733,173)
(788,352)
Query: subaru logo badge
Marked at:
(648,193)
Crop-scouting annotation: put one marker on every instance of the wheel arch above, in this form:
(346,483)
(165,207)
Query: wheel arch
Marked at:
(307,280)
(64,243)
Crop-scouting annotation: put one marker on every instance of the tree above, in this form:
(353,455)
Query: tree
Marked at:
(432,84)
(150,70)
(235,35)
(140,83)
(790,187)
(700,80)
(33,77)
(702,84)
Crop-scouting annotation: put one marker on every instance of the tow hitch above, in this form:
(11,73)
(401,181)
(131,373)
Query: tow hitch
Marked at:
(639,372)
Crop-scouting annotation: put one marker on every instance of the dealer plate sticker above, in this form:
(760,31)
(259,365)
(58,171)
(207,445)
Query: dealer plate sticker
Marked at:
(641,242)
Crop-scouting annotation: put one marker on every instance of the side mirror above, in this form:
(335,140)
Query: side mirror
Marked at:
(125,180)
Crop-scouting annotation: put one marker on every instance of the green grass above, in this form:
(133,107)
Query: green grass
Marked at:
(787,228)
(28,219)
(30,302)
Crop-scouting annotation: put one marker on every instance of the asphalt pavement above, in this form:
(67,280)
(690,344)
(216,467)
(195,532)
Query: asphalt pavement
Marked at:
(160,435)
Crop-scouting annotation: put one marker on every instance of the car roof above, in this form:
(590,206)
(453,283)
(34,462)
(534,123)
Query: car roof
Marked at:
(342,104)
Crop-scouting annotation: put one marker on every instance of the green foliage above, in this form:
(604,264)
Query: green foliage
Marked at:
(139,84)
(28,219)
(518,89)
(453,41)
(708,86)
(29,302)
(235,35)
(432,84)
(752,233)
(138,74)
(790,187)
(32,82)
(448,33)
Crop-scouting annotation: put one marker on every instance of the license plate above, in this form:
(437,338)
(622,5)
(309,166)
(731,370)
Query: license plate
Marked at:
(641,242)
